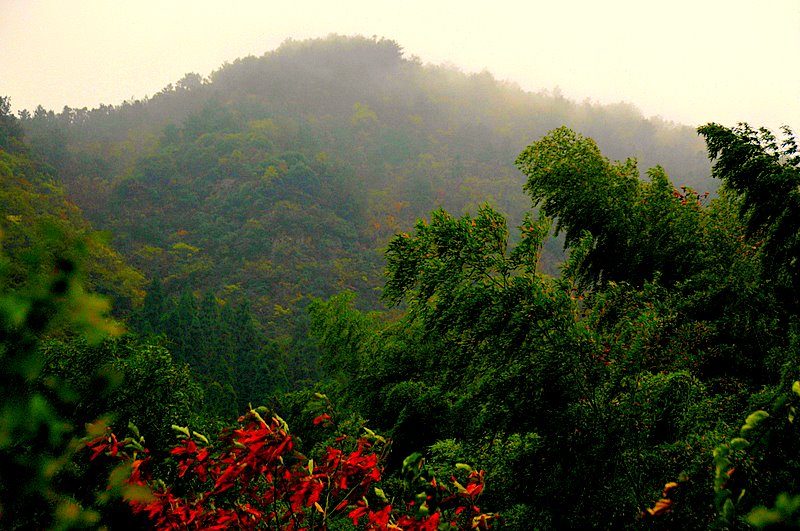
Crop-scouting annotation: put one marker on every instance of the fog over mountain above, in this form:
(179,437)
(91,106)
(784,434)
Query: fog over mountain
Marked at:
(688,62)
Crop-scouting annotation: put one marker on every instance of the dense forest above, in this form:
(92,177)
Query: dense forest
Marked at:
(331,287)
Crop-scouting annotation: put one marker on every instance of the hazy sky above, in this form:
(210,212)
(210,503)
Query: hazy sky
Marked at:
(687,61)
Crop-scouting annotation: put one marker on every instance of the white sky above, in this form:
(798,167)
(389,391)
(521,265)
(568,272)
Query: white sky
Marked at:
(687,61)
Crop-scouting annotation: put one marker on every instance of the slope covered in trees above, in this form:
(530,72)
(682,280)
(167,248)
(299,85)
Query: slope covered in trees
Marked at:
(283,176)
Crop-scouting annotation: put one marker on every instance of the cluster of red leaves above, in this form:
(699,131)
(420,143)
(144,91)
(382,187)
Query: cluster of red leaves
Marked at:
(254,478)
(448,507)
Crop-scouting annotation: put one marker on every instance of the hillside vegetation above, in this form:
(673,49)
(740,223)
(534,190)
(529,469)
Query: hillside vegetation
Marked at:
(283,176)
(384,295)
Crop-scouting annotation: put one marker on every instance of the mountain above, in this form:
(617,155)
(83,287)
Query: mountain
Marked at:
(282,177)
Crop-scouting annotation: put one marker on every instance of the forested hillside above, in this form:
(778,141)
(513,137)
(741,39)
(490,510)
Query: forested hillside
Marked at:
(283,176)
(436,301)
(35,208)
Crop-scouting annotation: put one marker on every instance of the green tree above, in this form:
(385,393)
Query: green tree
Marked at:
(257,368)
(150,319)
(125,379)
(488,355)
(765,173)
(11,134)
(184,330)
(624,229)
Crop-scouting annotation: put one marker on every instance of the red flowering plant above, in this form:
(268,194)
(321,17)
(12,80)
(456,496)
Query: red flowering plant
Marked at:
(254,478)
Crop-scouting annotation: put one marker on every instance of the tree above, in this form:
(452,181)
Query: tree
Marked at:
(488,356)
(623,229)
(124,380)
(10,130)
(765,173)
(257,371)
(150,318)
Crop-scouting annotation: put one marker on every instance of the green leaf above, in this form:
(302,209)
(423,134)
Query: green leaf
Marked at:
(763,517)
(182,430)
(739,443)
(755,418)
(728,510)
(132,427)
(412,460)
(721,452)
(787,504)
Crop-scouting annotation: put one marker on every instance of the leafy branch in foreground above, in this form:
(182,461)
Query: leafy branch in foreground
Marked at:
(36,439)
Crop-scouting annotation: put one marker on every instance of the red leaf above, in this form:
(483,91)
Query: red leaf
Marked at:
(473,489)
(322,418)
(357,513)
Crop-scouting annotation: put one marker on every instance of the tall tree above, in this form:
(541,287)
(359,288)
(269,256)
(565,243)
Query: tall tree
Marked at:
(623,228)
(10,129)
(765,173)
(150,319)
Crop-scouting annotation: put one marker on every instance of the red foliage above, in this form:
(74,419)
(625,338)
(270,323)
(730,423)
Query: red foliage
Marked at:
(256,479)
